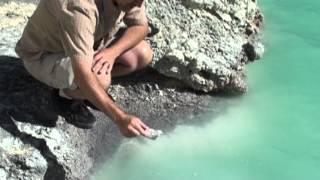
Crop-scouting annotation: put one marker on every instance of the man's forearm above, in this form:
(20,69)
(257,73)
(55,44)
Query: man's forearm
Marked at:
(92,90)
(131,37)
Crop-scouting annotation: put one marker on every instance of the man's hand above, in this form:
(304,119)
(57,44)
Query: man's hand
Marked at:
(91,89)
(131,126)
(103,61)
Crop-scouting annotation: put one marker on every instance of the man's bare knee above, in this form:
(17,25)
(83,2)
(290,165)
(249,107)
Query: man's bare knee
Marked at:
(131,60)
(145,54)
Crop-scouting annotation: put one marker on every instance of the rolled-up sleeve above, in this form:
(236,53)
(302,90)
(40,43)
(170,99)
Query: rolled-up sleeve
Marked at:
(136,16)
(78,24)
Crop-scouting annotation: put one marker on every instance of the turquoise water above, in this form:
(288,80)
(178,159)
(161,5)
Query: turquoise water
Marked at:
(273,132)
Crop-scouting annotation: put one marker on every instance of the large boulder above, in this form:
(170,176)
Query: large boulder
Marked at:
(205,43)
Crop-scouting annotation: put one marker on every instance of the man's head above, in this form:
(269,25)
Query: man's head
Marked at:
(128,4)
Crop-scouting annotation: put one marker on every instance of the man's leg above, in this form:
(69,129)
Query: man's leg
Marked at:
(104,80)
(132,60)
(55,70)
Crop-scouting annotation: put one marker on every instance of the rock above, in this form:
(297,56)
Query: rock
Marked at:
(253,50)
(202,41)
(3,174)
(19,159)
(38,145)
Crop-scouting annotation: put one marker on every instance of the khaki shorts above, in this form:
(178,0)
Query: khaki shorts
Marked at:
(55,70)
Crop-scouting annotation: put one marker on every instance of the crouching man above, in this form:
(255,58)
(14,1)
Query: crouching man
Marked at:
(74,46)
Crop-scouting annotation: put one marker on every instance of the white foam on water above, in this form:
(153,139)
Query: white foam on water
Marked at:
(185,150)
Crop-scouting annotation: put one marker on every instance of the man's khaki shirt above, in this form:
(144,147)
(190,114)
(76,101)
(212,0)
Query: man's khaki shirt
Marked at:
(73,27)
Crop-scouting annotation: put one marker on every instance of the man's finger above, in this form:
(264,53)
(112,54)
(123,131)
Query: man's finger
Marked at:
(103,68)
(96,66)
(97,56)
(108,69)
(141,130)
(134,131)
(144,126)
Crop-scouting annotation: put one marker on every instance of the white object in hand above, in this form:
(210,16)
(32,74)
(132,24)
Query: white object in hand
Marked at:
(153,134)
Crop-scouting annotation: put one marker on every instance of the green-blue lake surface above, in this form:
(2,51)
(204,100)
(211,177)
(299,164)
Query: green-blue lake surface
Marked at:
(271,133)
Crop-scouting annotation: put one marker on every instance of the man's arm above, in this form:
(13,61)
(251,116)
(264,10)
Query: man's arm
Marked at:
(91,89)
(77,23)
(131,37)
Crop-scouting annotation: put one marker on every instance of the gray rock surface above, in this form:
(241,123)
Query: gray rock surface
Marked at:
(205,43)
(37,143)
(201,43)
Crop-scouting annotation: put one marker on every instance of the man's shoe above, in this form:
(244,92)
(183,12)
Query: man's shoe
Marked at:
(89,104)
(75,112)
(79,115)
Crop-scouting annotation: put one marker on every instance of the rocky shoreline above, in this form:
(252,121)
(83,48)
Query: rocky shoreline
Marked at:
(37,143)
(201,47)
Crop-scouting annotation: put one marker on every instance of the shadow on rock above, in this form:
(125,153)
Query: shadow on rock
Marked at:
(54,170)
(26,100)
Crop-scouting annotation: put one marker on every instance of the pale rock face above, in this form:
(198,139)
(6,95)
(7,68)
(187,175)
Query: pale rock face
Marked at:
(205,43)
(12,152)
